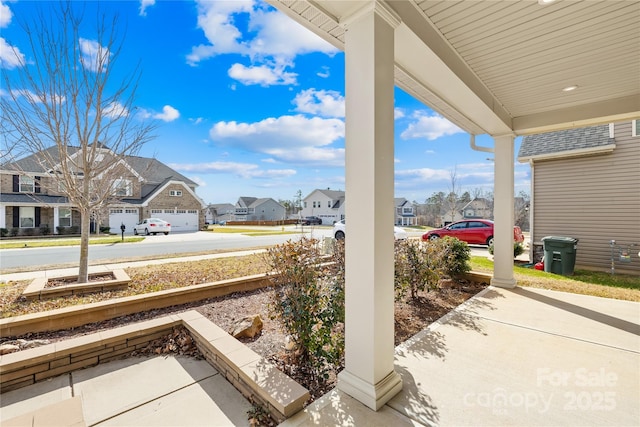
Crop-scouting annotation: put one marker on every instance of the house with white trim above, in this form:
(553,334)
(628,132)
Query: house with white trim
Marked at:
(328,205)
(145,187)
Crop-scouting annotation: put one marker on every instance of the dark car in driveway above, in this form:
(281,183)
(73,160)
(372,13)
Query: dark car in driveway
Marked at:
(472,231)
(311,220)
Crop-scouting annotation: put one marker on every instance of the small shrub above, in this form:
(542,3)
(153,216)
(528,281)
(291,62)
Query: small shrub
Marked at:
(45,230)
(4,232)
(518,249)
(74,229)
(105,230)
(309,301)
(28,231)
(413,270)
(14,231)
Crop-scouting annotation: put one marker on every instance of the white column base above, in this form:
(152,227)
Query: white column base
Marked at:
(375,396)
(503,283)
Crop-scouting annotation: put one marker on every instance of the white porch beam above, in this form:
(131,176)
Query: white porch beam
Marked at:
(369,374)
(503,212)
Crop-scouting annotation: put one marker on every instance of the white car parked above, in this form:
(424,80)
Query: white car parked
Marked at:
(339,231)
(152,226)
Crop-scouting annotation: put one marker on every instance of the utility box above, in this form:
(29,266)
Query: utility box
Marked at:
(559,254)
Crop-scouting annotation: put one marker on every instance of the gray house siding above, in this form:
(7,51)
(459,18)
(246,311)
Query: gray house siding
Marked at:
(594,198)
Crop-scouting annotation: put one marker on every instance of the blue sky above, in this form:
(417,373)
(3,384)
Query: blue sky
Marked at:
(249,103)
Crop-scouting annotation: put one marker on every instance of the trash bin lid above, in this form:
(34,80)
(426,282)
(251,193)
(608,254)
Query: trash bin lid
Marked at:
(559,239)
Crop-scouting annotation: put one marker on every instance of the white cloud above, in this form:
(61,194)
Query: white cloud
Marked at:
(271,41)
(430,127)
(115,110)
(294,139)
(398,113)
(93,56)
(168,114)
(197,120)
(324,73)
(263,75)
(10,56)
(144,4)
(242,170)
(423,175)
(326,103)
(5,15)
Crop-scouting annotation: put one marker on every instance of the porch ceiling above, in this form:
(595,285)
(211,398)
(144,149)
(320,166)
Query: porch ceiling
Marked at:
(496,66)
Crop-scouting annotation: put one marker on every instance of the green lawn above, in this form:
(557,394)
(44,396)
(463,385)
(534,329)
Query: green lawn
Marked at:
(74,241)
(597,283)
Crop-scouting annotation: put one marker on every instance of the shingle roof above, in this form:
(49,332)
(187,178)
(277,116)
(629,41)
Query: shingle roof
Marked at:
(565,140)
(33,198)
(151,170)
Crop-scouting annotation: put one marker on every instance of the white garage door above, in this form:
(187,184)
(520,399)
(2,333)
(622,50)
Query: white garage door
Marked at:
(118,216)
(180,220)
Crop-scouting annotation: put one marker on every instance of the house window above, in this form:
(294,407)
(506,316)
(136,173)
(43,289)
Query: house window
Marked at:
(305,204)
(175,193)
(329,204)
(635,128)
(27,184)
(181,211)
(27,216)
(64,217)
(156,211)
(122,187)
(131,211)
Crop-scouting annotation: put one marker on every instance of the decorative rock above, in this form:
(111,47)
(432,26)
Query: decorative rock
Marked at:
(8,348)
(249,327)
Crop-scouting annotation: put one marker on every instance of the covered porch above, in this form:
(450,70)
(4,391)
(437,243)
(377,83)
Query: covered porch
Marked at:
(497,68)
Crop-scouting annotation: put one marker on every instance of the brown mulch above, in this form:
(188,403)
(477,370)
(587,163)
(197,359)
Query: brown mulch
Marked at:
(98,277)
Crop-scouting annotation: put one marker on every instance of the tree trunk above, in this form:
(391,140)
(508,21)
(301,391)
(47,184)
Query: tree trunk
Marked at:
(83,269)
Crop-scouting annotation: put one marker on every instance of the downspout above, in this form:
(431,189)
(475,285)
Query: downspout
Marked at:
(472,142)
(532,249)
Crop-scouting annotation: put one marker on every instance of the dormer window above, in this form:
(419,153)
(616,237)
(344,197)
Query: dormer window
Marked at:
(175,193)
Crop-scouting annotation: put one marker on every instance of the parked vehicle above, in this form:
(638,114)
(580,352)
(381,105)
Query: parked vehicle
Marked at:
(472,231)
(152,226)
(311,220)
(339,231)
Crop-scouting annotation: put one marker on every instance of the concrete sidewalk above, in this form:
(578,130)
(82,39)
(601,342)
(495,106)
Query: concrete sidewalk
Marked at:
(138,391)
(525,357)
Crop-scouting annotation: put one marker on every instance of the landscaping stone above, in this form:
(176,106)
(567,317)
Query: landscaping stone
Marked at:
(248,327)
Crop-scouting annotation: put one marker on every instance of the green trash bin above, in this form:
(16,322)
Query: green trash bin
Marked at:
(559,254)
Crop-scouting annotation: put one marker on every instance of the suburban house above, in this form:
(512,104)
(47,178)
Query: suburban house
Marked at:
(585,184)
(31,201)
(219,212)
(405,213)
(328,205)
(255,209)
(478,208)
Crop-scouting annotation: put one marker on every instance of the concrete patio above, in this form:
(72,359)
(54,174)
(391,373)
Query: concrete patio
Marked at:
(506,357)
(511,357)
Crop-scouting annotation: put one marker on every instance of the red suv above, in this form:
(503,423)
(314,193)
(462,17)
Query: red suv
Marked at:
(473,231)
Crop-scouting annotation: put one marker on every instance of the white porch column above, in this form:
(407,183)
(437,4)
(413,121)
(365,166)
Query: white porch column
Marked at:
(3,216)
(503,212)
(369,60)
(56,219)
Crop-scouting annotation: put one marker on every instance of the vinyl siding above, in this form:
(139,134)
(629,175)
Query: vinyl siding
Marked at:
(595,199)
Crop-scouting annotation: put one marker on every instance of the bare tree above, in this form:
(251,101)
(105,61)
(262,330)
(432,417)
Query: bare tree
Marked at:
(451,200)
(67,109)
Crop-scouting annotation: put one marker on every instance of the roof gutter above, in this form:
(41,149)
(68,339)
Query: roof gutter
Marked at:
(603,149)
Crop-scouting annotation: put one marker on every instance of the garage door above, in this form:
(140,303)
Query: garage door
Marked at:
(117,216)
(180,220)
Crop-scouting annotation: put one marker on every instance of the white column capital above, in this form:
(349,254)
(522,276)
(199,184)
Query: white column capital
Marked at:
(380,8)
